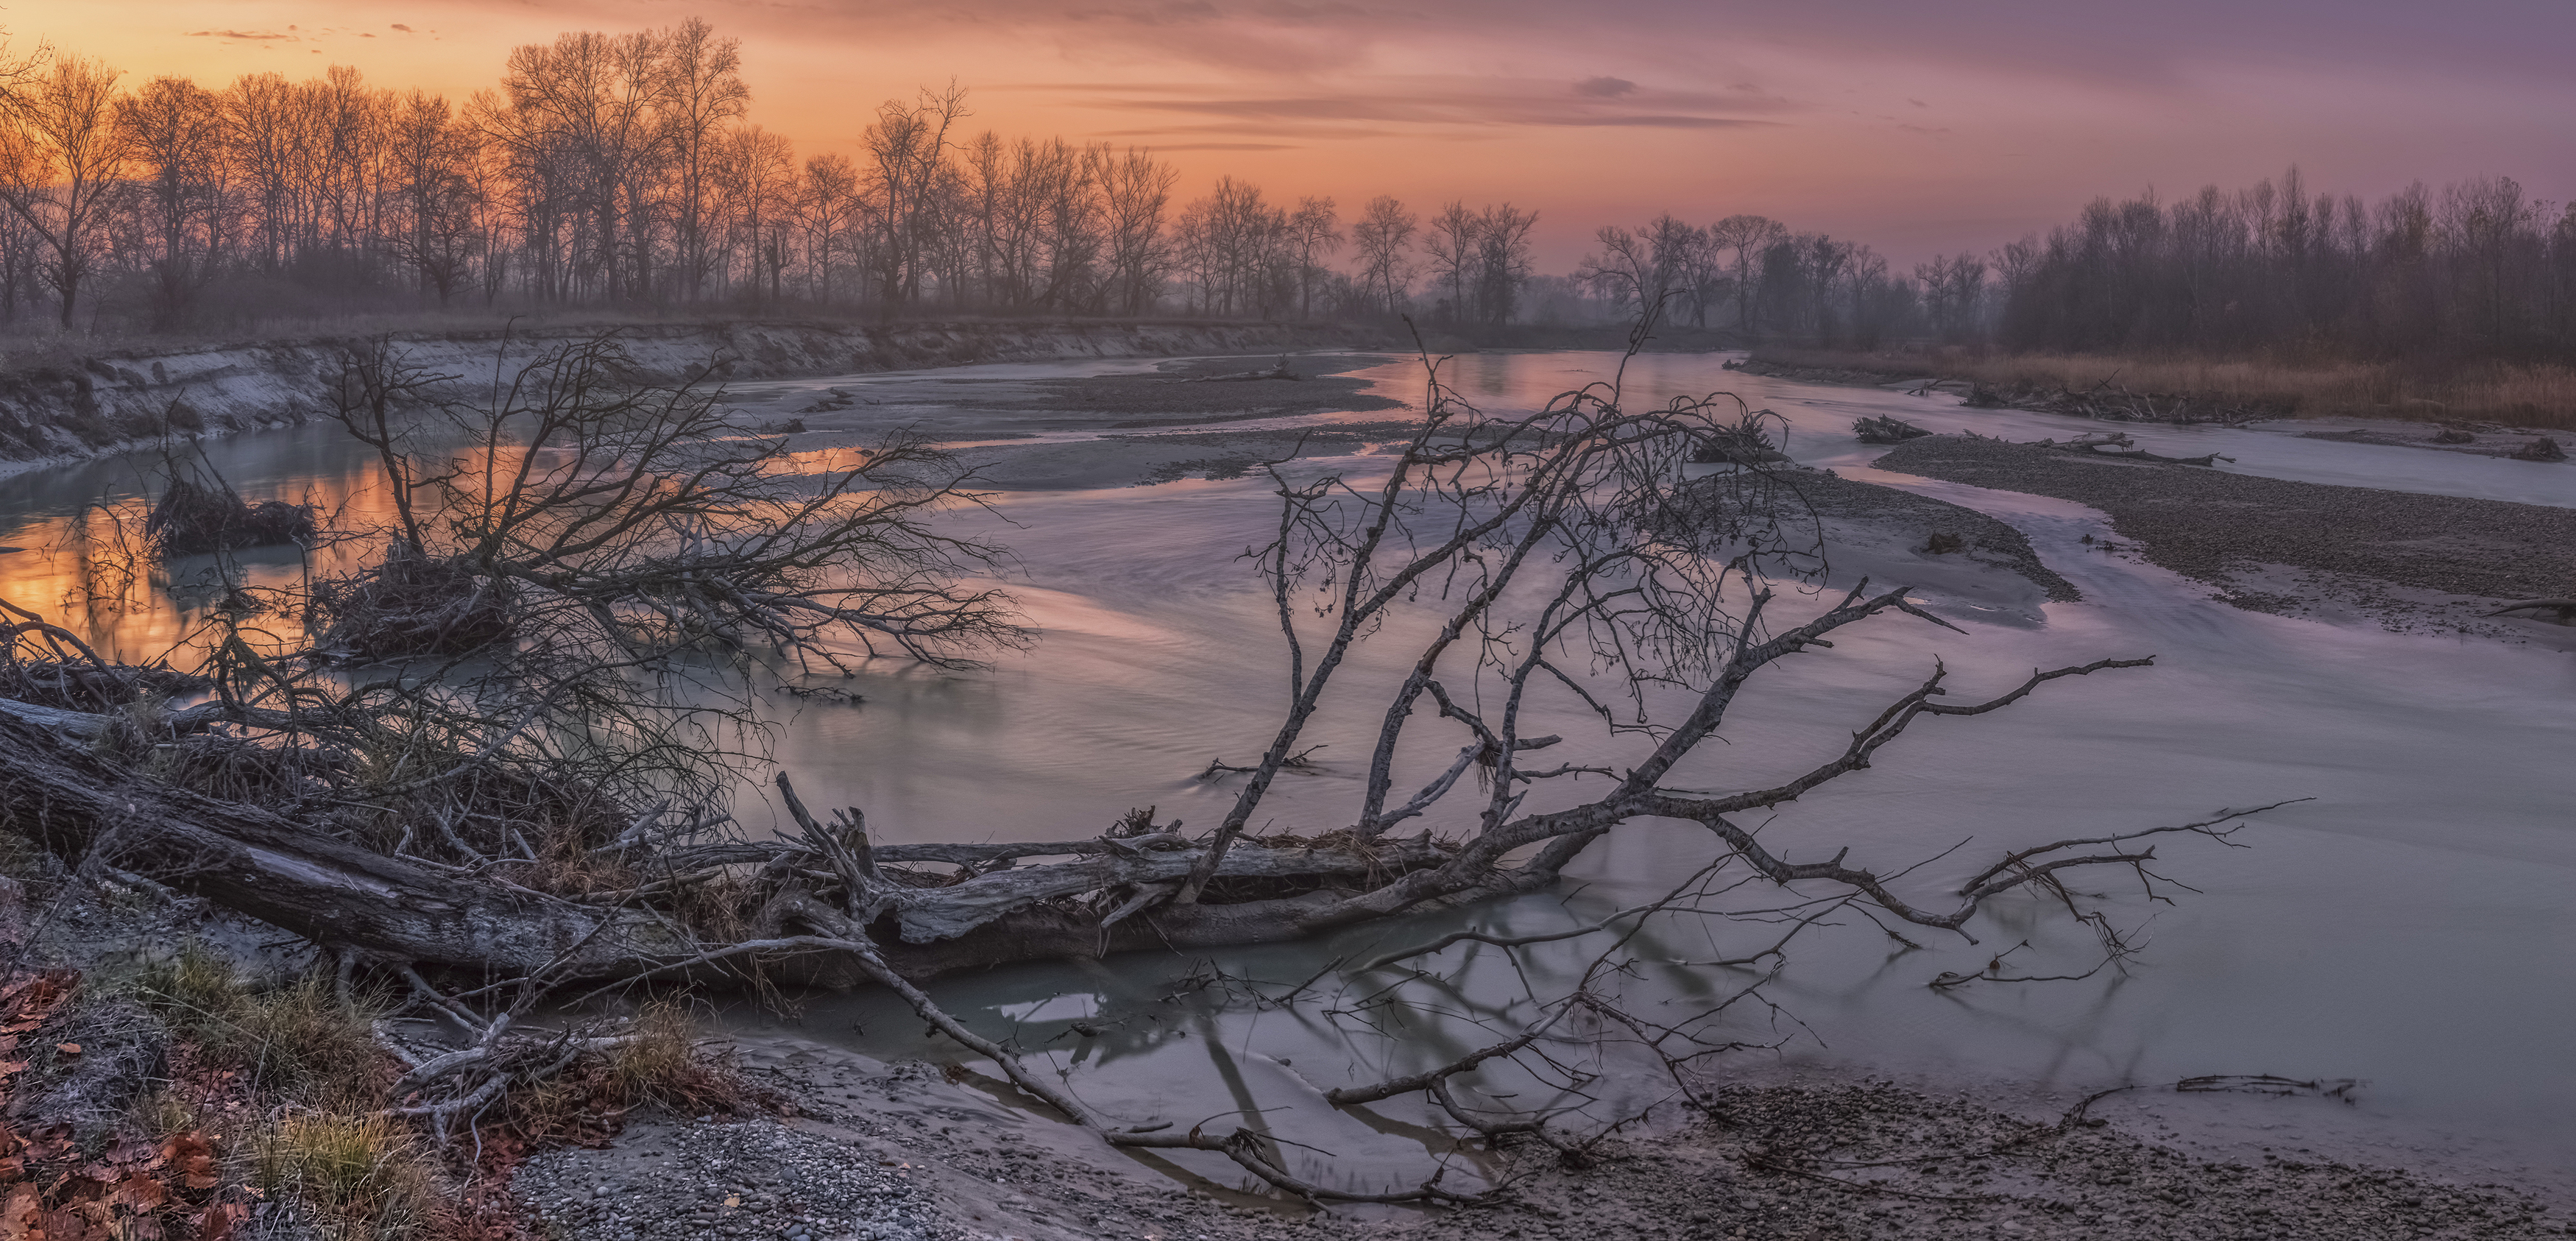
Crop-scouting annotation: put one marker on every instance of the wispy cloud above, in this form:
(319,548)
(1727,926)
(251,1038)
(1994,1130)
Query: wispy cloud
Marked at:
(1429,109)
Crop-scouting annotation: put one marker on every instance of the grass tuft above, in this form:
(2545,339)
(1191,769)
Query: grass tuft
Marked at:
(366,1177)
(299,1039)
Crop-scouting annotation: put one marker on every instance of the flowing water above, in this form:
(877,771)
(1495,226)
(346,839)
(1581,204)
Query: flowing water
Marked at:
(2409,925)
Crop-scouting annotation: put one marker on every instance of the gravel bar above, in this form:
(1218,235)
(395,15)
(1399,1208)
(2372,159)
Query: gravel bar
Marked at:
(2206,523)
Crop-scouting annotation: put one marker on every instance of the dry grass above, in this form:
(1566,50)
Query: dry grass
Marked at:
(2539,396)
(364,1177)
(658,1065)
(299,1040)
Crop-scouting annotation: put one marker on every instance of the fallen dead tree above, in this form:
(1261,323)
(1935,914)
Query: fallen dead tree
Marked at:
(1277,371)
(2561,610)
(2111,402)
(2117,446)
(542,814)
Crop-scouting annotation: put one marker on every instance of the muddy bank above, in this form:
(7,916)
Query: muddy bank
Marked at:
(2278,546)
(85,405)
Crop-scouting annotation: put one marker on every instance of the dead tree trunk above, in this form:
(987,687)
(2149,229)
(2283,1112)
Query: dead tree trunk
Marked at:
(300,878)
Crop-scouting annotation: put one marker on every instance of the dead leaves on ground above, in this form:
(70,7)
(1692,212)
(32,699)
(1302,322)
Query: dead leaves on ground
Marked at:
(51,1190)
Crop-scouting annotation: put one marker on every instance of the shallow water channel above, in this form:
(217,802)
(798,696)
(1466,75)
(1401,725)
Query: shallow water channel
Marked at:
(2410,925)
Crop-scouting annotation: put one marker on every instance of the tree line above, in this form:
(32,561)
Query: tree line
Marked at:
(1753,275)
(624,171)
(2477,269)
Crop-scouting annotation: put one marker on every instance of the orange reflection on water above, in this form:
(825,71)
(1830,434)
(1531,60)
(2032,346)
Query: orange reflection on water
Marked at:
(90,569)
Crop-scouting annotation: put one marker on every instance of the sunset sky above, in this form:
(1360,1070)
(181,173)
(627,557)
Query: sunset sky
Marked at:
(1916,127)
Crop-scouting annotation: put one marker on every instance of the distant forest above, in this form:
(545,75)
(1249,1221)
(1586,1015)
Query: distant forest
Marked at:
(622,172)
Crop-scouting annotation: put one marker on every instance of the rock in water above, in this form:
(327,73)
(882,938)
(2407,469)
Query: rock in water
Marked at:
(2542,449)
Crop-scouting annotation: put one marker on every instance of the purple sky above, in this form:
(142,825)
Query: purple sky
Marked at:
(1919,127)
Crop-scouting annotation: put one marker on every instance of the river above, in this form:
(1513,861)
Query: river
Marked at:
(2409,926)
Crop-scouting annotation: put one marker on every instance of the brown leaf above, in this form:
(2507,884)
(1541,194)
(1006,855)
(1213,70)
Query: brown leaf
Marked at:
(65,1225)
(140,1195)
(216,1223)
(194,1157)
(134,1153)
(19,1214)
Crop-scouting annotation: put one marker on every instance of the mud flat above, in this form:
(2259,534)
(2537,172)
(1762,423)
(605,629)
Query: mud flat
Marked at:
(2408,560)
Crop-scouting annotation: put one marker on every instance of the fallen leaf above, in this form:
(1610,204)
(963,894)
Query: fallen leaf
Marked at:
(139,1194)
(18,1215)
(67,1224)
(216,1223)
(194,1157)
(68,1049)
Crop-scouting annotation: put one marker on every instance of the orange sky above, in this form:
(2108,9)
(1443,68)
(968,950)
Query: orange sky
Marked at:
(1915,127)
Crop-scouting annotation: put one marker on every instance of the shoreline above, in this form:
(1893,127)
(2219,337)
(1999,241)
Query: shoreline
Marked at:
(858,1149)
(1847,1154)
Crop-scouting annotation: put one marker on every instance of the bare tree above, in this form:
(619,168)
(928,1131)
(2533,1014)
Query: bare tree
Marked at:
(1383,236)
(705,94)
(827,202)
(1747,236)
(758,188)
(1449,242)
(1502,261)
(1316,232)
(61,156)
(1136,191)
(908,149)
(433,158)
(174,129)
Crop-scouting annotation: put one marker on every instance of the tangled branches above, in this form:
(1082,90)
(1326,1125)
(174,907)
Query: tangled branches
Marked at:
(196,516)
